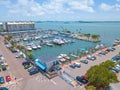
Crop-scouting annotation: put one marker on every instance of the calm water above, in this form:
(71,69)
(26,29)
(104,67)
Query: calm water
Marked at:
(108,32)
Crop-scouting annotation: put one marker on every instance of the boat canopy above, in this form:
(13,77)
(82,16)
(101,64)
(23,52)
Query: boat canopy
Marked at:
(40,65)
(82,49)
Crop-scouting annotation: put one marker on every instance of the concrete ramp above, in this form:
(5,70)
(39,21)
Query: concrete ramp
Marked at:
(69,79)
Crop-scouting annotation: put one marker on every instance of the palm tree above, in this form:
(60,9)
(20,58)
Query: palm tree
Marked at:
(87,35)
(30,54)
(19,47)
(95,37)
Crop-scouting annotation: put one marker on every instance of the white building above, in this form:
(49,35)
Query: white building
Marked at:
(18,26)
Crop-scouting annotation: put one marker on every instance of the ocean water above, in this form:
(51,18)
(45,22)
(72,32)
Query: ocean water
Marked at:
(108,31)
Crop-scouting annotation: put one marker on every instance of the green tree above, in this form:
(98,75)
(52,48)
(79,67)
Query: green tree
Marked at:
(95,37)
(87,35)
(12,43)
(20,47)
(108,64)
(30,55)
(4,30)
(9,37)
(91,87)
(100,77)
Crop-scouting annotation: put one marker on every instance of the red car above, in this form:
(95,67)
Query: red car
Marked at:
(8,78)
(107,50)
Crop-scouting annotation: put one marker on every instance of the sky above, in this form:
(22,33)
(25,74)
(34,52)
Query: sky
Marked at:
(59,10)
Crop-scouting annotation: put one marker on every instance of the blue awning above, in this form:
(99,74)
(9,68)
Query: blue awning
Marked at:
(82,49)
(40,65)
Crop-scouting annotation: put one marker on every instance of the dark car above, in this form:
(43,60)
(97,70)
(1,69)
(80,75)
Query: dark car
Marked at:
(14,51)
(81,79)
(33,71)
(112,49)
(103,53)
(84,61)
(114,70)
(57,68)
(2,80)
(72,65)
(116,58)
(25,63)
(3,67)
(3,88)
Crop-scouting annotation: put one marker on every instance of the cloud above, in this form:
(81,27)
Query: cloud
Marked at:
(118,0)
(34,8)
(26,8)
(107,7)
(84,5)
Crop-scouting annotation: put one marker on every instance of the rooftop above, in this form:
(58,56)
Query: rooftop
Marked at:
(20,22)
(47,58)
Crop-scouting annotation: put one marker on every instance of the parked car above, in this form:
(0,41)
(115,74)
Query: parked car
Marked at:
(91,57)
(114,70)
(8,78)
(29,68)
(84,61)
(25,63)
(72,66)
(116,58)
(3,88)
(33,71)
(26,66)
(57,68)
(4,67)
(107,50)
(118,65)
(2,80)
(103,53)
(82,79)
(77,64)
(112,49)
(117,68)
(1,63)
(14,51)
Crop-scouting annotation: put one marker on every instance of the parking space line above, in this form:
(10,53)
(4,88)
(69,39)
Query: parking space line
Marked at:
(53,81)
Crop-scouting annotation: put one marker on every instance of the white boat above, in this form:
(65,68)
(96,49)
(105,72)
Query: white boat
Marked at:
(62,60)
(28,48)
(49,44)
(38,46)
(25,39)
(34,47)
(58,41)
(37,37)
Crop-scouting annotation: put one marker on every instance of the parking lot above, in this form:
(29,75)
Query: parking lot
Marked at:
(12,68)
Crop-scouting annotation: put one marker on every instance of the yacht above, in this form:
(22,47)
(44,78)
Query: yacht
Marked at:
(58,41)
(28,48)
(38,46)
(34,47)
(49,44)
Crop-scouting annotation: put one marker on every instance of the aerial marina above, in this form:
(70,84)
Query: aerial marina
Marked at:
(50,52)
(59,44)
